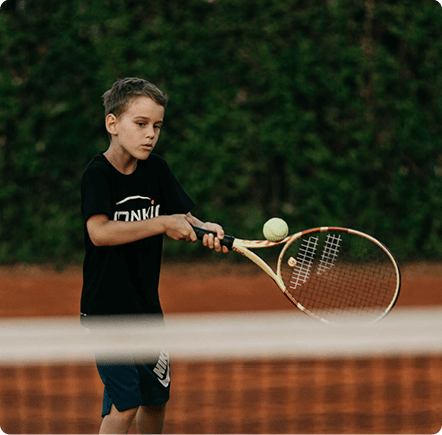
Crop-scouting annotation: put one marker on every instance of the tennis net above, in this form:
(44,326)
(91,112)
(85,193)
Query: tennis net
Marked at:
(233,373)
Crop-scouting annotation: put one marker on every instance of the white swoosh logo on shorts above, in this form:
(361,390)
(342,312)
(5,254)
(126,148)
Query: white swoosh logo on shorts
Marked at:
(166,381)
(162,369)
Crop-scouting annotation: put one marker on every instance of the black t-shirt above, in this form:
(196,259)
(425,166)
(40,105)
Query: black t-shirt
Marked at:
(124,279)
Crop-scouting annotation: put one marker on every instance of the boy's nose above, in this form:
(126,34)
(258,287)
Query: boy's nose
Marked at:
(150,132)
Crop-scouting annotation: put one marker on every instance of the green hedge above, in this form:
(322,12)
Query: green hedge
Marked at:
(323,113)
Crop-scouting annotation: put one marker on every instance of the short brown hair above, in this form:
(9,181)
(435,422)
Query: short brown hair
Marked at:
(117,98)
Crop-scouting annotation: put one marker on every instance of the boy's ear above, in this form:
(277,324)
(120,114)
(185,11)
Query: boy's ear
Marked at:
(111,123)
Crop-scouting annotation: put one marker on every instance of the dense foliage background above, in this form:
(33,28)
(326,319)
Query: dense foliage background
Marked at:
(321,112)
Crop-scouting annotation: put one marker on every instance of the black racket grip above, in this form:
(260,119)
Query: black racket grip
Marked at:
(227,241)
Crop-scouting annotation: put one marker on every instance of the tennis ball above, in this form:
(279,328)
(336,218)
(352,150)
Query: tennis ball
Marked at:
(275,229)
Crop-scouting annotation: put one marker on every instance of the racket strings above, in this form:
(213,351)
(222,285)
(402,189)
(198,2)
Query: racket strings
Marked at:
(330,253)
(336,274)
(304,262)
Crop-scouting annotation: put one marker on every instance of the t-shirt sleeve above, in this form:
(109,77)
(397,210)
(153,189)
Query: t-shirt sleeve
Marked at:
(95,194)
(175,199)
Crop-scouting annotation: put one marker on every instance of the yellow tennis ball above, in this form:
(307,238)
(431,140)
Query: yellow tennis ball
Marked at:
(275,229)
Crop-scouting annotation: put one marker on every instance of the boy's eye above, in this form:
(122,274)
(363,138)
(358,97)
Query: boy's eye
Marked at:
(141,124)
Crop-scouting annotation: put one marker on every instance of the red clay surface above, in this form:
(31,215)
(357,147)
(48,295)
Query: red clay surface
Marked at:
(35,291)
(300,396)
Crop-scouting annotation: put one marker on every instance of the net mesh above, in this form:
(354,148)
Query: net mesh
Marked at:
(228,376)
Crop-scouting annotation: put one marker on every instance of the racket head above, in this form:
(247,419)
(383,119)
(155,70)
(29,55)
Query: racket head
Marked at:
(339,275)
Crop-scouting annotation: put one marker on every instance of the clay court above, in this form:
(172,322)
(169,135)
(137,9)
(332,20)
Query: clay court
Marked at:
(187,288)
(354,407)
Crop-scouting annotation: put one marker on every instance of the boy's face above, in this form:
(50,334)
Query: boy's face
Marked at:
(137,129)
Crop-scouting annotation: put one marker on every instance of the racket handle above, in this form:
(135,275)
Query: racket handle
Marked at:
(227,241)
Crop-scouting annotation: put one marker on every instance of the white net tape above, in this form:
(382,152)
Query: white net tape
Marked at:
(240,335)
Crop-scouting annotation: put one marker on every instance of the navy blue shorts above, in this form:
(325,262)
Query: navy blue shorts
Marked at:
(132,385)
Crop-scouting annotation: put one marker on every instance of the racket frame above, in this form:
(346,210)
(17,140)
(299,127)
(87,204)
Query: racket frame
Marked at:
(243,247)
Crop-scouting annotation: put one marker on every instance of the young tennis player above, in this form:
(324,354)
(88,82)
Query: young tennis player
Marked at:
(130,198)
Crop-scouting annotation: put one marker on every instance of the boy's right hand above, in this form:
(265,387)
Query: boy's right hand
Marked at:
(178,228)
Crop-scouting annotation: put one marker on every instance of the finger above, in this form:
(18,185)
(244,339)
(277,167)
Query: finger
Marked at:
(193,237)
(212,239)
(218,229)
(217,244)
(208,241)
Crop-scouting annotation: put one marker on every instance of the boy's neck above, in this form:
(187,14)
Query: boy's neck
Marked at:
(121,162)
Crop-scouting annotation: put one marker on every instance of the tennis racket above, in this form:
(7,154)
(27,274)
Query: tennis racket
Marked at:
(332,274)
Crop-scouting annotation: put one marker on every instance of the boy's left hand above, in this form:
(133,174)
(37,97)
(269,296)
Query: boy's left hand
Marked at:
(212,242)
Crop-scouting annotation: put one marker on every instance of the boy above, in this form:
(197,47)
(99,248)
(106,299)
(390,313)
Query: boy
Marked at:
(130,199)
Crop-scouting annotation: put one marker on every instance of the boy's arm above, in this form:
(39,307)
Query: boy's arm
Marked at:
(105,232)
